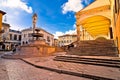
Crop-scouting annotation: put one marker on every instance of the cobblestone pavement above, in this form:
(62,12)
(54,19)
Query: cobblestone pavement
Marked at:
(101,71)
(3,71)
(19,70)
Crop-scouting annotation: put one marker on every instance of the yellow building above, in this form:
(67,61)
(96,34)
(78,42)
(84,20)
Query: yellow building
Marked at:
(67,39)
(115,20)
(1,15)
(100,20)
(56,42)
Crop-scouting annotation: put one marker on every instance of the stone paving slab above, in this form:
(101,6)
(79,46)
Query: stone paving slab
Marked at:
(3,71)
(19,70)
(100,71)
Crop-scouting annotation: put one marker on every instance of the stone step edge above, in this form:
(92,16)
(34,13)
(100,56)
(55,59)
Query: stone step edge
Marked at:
(88,58)
(68,72)
(90,63)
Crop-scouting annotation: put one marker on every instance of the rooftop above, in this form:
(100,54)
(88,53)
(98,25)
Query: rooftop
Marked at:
(14,31)
(30,29)
(6,24)
(68,35)
(2,12)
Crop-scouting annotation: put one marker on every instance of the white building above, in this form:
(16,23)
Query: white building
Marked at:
(10,38)
(67,39)
(27,36)
(14,37)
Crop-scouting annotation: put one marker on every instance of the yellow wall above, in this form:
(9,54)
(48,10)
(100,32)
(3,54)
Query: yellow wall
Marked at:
(115,23)
(1,21)
(118,31)
(0,24)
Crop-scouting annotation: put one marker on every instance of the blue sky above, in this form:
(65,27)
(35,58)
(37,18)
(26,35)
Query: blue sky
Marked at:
(55,16)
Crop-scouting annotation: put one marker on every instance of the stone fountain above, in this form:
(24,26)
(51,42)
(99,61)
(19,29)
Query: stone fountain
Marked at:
(38,46)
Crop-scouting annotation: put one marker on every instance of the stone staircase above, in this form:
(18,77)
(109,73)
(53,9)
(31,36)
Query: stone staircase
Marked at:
(94,48)
(91,61)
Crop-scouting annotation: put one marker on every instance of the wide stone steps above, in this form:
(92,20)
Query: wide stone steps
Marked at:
(94,48)
(91,61)
(94,43)
(93,51)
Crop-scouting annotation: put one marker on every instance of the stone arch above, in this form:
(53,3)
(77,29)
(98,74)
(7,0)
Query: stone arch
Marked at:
(96,25)
(101,38)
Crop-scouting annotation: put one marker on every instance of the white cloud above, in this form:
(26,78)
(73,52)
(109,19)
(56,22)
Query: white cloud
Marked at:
(70,32)
(18,4)
(15,13)
(16,27)
(74,26)
(72,5)
(87,2)
(58,33)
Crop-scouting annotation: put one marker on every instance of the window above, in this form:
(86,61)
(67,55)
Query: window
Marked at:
(64,41)
(15,37)
(59,41)
(48,38)
(24,35)
(23,42)
(29,34)
(67,41)
(19,37)
(10,36)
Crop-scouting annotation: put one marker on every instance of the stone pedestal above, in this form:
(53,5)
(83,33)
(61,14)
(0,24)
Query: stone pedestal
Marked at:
(37,48)
(38,42)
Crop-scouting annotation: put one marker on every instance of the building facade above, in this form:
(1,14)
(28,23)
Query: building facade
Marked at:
(67,39)
(14,37)
(56,42)
(100,19)
(10,38)
(1,15)
(27,36)
(115,21)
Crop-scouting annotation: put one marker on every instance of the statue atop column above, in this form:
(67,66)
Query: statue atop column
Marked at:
(34,20)
(36,31)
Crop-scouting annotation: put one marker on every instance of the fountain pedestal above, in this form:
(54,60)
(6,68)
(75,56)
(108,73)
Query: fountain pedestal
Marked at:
(37,47)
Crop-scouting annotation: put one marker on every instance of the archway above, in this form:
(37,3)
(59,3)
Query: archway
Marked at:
(96,25)
(101,38)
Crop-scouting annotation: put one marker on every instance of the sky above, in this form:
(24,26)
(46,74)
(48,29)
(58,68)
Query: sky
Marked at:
(54,16)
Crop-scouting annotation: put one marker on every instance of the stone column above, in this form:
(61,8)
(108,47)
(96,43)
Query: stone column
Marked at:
(78,32)
(34,21)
